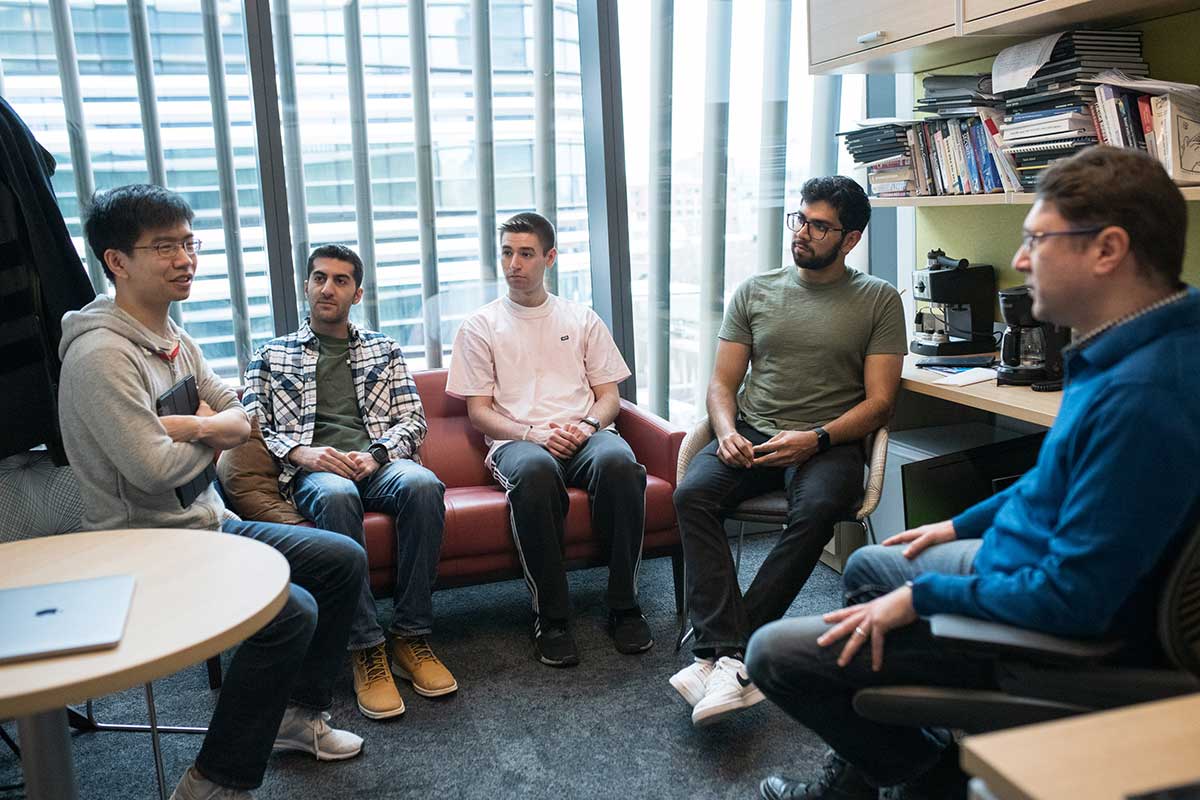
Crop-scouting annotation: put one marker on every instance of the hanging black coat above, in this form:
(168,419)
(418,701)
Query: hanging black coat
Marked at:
(41,278)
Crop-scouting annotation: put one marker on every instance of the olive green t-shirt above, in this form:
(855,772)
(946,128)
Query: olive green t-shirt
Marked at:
(808,344)
(339,422)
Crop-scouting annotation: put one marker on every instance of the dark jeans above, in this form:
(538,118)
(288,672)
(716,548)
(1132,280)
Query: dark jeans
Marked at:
(821,491)
(536,483)
(413,497)
(803,678)
(293,660)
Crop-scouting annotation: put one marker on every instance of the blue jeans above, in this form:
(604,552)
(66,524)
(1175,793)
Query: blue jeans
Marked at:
(413,496)
(293,660)
(803,678)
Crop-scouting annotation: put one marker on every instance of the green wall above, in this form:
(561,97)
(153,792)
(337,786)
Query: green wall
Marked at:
(990,234)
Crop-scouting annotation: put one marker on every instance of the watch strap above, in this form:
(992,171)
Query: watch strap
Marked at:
(379,453)
(823,441)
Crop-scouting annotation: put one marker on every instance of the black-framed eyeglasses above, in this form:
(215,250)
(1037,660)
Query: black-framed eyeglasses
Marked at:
(816,229)
(1030,241)
(169,249)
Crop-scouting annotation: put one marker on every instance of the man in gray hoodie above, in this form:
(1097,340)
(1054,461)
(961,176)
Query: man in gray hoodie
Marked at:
(119,355)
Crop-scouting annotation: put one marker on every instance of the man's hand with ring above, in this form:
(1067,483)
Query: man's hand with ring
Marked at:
(856,624)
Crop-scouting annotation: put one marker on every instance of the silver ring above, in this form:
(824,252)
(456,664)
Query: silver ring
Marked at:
(858,630)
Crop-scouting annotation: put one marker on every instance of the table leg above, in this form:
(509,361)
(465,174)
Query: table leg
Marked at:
(46,756)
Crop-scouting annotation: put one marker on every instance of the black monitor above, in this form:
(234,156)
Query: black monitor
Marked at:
(939,488)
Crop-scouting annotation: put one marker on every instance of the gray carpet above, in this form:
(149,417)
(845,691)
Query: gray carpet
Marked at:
(611,727)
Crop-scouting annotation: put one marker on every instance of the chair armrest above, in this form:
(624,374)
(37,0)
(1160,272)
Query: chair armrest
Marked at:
(877,445)
(696,440)
(654,440)
(999,637)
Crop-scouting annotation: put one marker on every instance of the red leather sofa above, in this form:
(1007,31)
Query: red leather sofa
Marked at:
(477,546)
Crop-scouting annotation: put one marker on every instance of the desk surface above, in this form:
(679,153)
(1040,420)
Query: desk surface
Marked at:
(1104,756)
(1019,402)
(197,593)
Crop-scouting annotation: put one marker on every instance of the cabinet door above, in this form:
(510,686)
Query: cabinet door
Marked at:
(839,28)
(979,8)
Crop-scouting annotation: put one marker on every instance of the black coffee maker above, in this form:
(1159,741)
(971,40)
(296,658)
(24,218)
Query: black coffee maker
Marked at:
(1031,351)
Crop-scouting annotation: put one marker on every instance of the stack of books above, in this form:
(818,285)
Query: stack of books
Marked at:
(1055,116)
(957,95)
(884,147)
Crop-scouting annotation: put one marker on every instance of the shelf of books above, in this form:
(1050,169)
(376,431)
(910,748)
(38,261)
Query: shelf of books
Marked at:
(1190,193)
(986,138)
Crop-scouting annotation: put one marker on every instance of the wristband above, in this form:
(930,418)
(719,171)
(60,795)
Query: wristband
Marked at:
(525,435)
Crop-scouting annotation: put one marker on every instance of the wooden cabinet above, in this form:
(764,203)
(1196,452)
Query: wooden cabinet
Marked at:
(876,36)
(837,29)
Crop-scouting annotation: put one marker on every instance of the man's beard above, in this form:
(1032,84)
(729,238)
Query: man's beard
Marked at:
(814,261)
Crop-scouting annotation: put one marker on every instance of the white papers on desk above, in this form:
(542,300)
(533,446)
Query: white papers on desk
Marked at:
(966,378)
(1015,65)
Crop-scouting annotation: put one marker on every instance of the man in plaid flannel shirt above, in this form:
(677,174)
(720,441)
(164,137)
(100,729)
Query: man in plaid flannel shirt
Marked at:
(339,410)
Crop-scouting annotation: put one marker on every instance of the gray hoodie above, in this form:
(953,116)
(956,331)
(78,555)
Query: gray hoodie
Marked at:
(113,370)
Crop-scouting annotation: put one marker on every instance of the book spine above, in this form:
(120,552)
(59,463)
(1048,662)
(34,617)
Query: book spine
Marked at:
(973,173)
(1146,116)
(1096,122)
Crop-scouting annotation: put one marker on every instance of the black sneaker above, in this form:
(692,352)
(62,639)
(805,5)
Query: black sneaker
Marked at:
(555,645)
(838,781)
(630,631)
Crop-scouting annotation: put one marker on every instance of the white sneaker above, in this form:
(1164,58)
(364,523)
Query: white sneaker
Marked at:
(692,679)
(728,690)
(194,786)
(308,731)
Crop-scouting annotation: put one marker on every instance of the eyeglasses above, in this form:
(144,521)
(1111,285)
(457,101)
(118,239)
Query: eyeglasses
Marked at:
(816,229)
(167,250)
(1030,241)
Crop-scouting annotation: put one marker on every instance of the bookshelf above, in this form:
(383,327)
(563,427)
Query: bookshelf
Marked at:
(1190,193)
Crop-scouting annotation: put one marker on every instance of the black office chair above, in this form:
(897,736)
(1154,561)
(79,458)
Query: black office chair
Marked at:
(1044,677)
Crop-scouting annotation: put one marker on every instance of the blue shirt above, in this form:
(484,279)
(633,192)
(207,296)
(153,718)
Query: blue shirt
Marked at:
(1073,546)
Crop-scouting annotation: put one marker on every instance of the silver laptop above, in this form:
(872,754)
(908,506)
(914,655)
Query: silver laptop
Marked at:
(54,619)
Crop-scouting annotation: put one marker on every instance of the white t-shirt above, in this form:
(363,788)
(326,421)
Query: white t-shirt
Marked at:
(537,364)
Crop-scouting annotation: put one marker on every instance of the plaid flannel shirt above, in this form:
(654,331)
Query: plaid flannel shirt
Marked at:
(281,389)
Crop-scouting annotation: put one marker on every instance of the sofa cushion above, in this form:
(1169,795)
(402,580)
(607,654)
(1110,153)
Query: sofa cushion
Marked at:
(249,478)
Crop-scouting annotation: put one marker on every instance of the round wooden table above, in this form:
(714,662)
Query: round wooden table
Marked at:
(197,593)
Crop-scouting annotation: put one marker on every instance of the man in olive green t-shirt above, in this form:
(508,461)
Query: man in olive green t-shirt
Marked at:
(824,345)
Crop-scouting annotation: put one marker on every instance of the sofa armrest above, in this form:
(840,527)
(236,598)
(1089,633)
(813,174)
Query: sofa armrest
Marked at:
(1009,639)
(654,440)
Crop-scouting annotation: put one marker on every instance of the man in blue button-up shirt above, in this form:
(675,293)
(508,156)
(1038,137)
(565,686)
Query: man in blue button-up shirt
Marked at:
(1075,546)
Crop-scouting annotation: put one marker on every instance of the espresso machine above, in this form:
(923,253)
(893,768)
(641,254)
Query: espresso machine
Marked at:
(954,307)
(1031,351)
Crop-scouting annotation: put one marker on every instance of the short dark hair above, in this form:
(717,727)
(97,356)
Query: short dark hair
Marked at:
(530,222)
(115,219)
(844,195)
(1115,186)
(338,252)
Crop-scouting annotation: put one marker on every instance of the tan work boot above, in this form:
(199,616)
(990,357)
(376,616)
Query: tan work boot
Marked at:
(378,697)
(413,660)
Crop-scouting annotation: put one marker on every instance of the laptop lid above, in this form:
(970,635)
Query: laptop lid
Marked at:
(58,618)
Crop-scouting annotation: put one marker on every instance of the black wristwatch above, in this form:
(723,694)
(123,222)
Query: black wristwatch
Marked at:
(595,423)
(823,442)
(379,453)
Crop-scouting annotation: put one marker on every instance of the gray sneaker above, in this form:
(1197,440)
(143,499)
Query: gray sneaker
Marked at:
(194,786)
(308,731)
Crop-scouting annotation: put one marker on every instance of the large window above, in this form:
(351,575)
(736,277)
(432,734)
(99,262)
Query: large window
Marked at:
(337,170)
(228,318)
(322,98)
(755,69)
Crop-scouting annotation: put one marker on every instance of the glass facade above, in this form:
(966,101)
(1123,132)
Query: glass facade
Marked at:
(322,104)
(351,122)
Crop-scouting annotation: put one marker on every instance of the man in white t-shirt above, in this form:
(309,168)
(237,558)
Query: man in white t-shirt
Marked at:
(540,374)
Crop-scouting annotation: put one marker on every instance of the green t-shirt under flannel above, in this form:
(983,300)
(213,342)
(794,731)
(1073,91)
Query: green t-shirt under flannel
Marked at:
(339,422)
(808,343)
